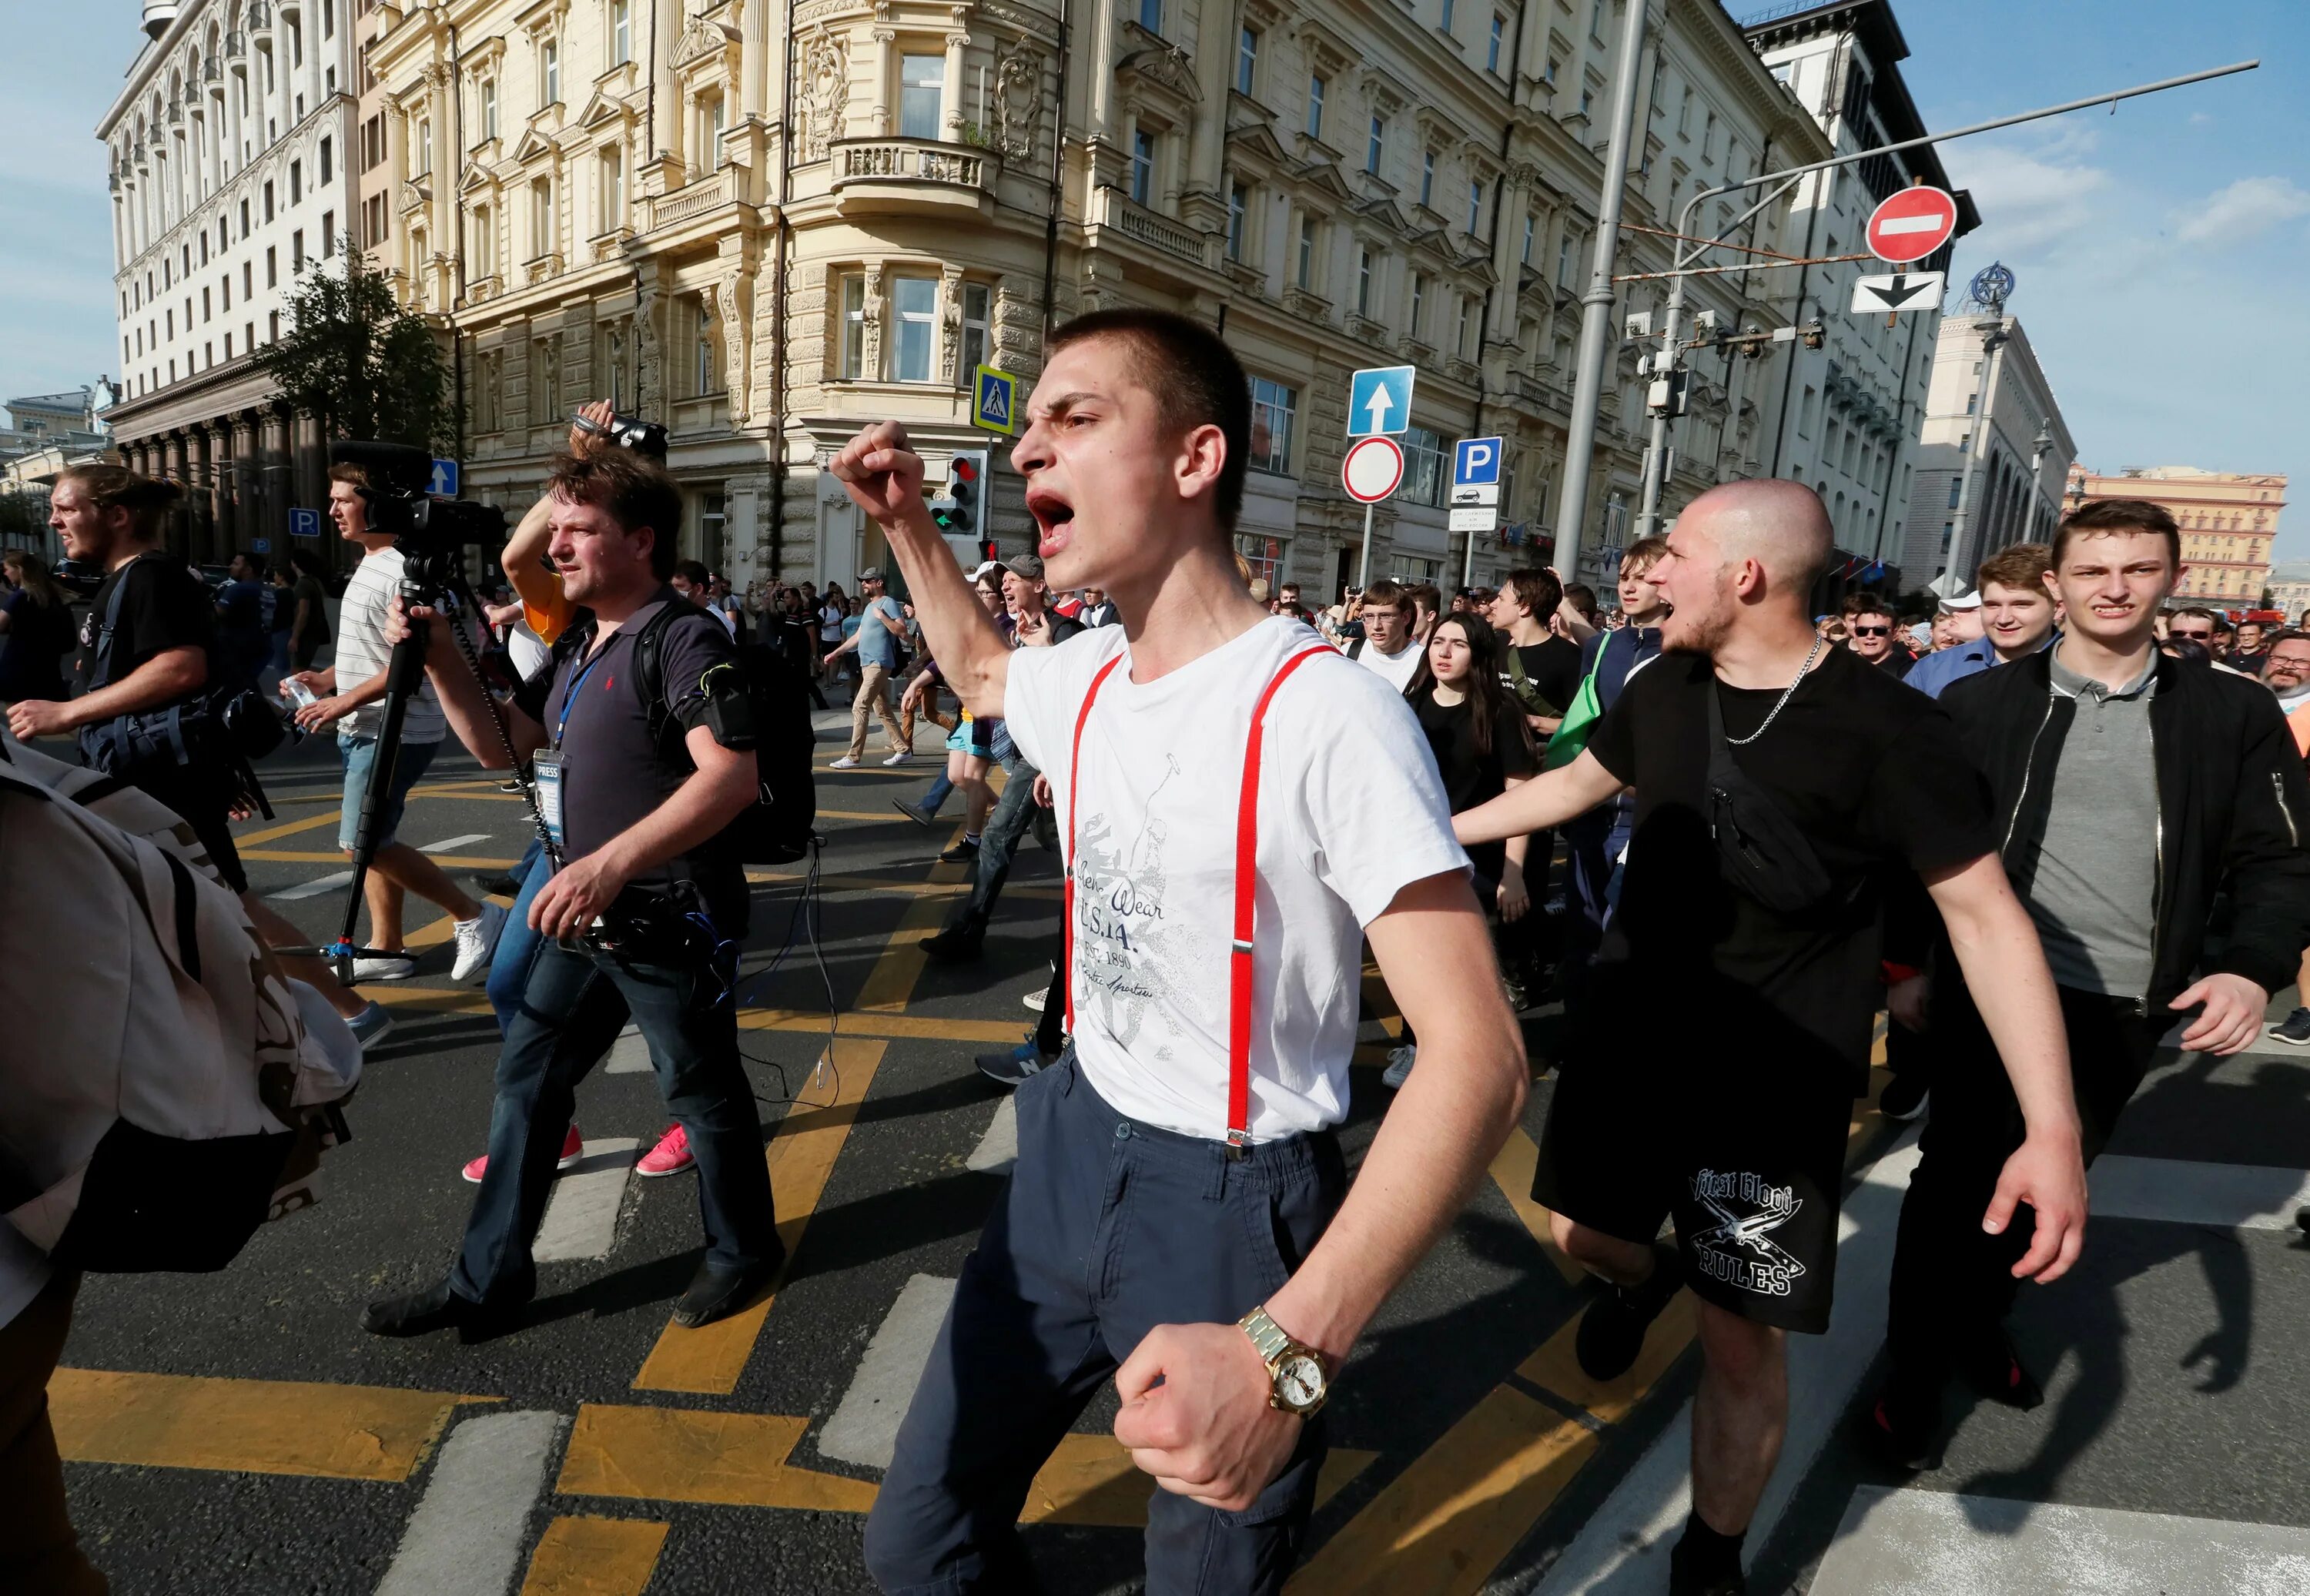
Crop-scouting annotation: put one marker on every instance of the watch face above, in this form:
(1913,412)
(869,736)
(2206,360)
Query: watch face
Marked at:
(1299,1380)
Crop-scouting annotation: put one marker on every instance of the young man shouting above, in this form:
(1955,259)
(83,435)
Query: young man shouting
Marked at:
(1239,806)
(1779,784)
(2128,789)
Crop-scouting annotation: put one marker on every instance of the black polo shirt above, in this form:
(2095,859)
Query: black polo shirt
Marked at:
(613,775)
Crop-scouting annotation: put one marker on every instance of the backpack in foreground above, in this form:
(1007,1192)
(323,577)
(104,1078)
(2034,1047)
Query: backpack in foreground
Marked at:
(777,830)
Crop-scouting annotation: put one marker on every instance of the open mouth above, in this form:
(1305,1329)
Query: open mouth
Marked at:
(1055,520)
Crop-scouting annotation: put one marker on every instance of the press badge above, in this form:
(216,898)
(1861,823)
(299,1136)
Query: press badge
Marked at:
(545,768)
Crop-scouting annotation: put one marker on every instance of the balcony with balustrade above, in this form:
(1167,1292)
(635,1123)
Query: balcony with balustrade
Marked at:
(902,177)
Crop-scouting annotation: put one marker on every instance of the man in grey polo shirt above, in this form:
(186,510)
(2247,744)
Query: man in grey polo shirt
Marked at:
(879,643)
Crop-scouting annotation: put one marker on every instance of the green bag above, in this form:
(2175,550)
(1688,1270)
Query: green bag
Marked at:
(1580,720)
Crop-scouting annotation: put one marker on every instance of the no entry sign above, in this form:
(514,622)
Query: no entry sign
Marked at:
(1372,470)
(1913,223)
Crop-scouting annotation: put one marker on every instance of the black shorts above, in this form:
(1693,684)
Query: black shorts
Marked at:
(1746,1154)
(201,799)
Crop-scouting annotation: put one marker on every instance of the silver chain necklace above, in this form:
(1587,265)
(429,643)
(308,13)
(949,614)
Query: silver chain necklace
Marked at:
(1802,671)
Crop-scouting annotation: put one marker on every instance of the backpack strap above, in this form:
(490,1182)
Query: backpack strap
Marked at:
(102,676)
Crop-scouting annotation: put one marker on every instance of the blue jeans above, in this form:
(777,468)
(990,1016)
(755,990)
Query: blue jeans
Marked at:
(518,943)
(571,1009)
(1107,1228)
(1014,811)
(357,756)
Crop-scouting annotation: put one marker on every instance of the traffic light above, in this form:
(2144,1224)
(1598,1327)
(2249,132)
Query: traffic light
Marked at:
(965,517)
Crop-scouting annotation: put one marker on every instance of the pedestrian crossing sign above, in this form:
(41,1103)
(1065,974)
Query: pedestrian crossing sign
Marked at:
(994,401)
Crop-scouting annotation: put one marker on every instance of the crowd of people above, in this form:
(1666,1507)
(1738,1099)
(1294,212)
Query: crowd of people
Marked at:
(2038,828)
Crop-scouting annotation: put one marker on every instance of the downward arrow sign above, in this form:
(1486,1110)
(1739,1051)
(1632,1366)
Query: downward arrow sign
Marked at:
(1899,292)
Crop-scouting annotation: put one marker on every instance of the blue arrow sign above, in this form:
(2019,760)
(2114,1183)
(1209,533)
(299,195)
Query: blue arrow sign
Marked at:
(1379,401)
(304,524)
(445,479)
(1475,460)
(994,401)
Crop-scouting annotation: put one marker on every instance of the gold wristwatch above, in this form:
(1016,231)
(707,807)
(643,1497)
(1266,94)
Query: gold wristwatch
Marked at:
(1299,1377)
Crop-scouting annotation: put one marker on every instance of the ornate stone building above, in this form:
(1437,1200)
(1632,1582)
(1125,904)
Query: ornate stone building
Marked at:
(766,242)
(2229,521)
(228,145)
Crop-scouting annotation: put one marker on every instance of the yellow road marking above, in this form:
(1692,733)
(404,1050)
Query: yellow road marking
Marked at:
(1555,1368)
(1512,1171)
(679,1454)
(890,986)
(595,1556)
(898,1027)
(1441,1527)
(288,828)
(800,1157)
(253,1427)
(1090,1479)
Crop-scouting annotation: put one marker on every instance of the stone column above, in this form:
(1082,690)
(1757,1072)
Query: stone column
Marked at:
(272,463)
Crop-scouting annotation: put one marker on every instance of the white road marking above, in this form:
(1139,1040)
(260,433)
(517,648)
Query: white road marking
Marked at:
(2183,1191)
(1927,1543)
(1623,1547)
(466,1536)
(581,1216)
(629,1055)
(864,1428)
(998,1149)
(449,845)
(315,888)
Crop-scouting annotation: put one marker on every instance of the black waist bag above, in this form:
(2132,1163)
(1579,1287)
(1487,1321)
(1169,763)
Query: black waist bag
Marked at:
(1760,850)
(213,722)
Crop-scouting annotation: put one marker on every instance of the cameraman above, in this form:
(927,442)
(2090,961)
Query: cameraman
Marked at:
(158,656)
(642,916)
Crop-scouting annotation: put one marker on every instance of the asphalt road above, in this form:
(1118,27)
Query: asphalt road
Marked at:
(237,1432)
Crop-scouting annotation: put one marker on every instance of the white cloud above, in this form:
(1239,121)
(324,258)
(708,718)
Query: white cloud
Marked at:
(2031,200)
(2247,207)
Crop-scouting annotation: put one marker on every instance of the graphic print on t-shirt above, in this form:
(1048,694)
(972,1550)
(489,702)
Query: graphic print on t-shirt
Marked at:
(1739,1250)
(1132,962)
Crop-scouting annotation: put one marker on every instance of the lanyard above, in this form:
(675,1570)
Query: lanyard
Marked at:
(570,697)
(1246,887)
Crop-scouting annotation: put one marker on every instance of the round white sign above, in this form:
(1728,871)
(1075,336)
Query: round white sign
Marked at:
(1372,470)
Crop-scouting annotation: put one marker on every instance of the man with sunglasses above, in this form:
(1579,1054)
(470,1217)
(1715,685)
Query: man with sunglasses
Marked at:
(1870,624)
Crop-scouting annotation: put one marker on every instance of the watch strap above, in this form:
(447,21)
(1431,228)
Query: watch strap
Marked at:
(1267,1336)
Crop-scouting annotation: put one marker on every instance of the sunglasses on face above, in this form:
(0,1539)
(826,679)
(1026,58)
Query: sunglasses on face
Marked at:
(1872,631)
(2205,636)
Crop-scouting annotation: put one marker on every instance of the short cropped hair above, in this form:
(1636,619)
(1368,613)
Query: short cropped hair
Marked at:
(1426,595)
(635,488)
(147,500)
(1195,379)
(1538,591)
(351,476)
(692,571)
(2023,565)
(1584,599)
(1857,605)
(1386,595)
(1642,555)
(2107,515)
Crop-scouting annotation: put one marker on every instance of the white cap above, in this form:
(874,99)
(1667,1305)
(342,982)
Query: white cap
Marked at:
(1963,601)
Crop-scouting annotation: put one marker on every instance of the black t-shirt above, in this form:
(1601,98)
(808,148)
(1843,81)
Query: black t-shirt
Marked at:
(164,607)
(1551,669)
(613,775)
(1896,662)
(1470,778)
(1872,773)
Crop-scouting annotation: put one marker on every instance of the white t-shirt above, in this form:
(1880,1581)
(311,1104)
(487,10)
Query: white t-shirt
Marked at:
(527,649)
(1351,812)
(362,652)
(1394,669)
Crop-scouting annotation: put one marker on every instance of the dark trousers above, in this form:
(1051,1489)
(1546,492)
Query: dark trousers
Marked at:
(572,1009)
(40,1554)
(1014,811)
(1107,1228)
(1953,1282)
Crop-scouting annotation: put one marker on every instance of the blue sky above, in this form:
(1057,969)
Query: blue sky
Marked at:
(2159,251)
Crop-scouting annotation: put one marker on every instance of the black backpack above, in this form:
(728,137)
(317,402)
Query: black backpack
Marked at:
(777,829)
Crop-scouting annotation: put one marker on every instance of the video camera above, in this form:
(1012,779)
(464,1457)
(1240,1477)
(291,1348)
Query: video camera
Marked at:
(627,432)
(431,533)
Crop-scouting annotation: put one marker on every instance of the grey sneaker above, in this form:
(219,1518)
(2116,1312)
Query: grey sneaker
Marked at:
(1014,1067)
(2294,1030)
(372,1025)
(1399,1060)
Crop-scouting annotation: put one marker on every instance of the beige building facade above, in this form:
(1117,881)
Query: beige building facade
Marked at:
(767,242)
(2229,521)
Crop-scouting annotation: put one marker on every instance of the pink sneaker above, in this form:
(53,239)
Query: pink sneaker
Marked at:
(671,1156)
(573,1147)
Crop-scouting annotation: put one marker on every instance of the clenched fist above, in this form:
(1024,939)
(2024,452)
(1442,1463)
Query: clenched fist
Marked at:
(883,475)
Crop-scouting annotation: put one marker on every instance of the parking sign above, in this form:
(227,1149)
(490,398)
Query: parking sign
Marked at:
(1476,471)
(304,524)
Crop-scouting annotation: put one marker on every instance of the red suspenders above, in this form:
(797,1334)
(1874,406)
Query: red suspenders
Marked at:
(1246,887)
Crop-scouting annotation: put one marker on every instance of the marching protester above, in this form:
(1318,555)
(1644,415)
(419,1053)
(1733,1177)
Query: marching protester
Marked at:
(349,695)
(643,917)
(2016,613)
(1167,740)
(1389,643)
(144,651)
(2098,725)
(878,641)
(36,628)
(309,624)
(1872,627)
(1778,784)
(1543,667)
(970,746)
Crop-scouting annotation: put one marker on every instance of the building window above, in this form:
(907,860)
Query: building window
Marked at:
(272,268)
(1246,59)
(709,131)
(1423,466)
(549,61)
(1972,404)
(268,216)
(424,155)
(296,182)
(1526,256)
(1427,176)
(1376,145)
(1363,281)
(977,302)
(328,161)
(489,118)
(1151,16)
(1307,274)
(297,244)
(1142,165)
(613,187)
(922,84)
(1955,486)
(328,235)
(854,328)
(1492,45)
(702,372)
(1316,105)
(541,217)
(485,242)
(914,300)
(204,305)
(621,31)
(1273,408)
(1475,204)
(1418,302)
(1238,204)
(244,219)
(1467,321)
